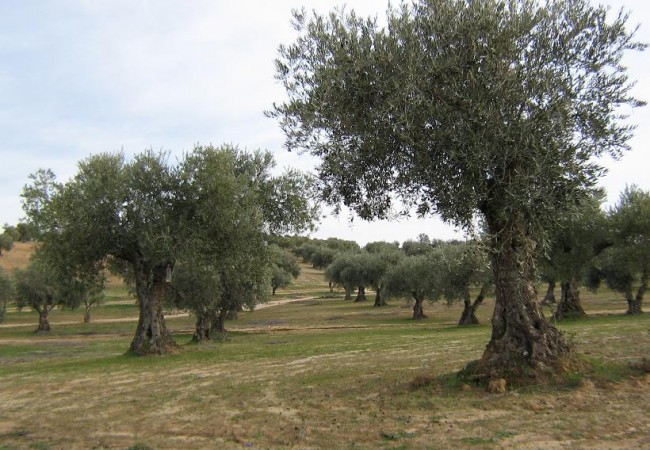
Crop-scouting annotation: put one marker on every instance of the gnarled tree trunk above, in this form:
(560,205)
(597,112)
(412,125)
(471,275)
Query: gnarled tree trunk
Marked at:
(569,306)
(43,318)
(219,322)
(468,317)
(361,294)
(380,300)
(634,304)
(549,297)
(523,340)
(202,328)
(151,335)
(418,311)
(348,293)
(88,304)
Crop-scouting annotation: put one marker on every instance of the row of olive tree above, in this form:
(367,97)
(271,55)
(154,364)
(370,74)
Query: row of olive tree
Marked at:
(448,270)
(199,226)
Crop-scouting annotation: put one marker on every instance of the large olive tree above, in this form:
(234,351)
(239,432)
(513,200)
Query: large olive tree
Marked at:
(490,108)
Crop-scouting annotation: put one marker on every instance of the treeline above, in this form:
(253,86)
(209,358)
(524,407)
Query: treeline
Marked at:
(588,247)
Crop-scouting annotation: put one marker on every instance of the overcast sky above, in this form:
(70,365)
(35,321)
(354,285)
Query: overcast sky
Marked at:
(82,77)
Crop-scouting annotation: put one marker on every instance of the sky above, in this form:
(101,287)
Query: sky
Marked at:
(80,77)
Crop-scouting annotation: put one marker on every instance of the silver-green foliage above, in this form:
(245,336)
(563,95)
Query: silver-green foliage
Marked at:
(458,106)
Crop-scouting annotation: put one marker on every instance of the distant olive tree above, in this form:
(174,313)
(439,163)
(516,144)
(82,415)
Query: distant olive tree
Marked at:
(417,277)
(37,287)
(6,293)
(284,268)
(625,266)
(6,242)
(465,266)
(574,243)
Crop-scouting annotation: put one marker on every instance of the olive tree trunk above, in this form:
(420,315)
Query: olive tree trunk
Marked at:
(635,303)
(151,335)
(43,318)
(202,328)
(418,311)
(380,300)
(219,322)
(361,294)
(468,317)
(523,340)
(549,297)
(569,305)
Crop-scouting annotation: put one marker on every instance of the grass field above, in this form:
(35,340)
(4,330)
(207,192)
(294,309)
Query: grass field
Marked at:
(317,372)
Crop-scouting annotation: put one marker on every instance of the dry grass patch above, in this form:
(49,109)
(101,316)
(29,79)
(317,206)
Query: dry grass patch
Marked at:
(319,373)
(17,257)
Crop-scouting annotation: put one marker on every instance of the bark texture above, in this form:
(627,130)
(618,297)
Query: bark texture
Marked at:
(523,341)
(218,325)
(87,313)
(468,317)
(549,297)
(569,305)
(151,335)
(43,319)
(201,329)
(380,300)
(634,304)
(418,311)
(361,294)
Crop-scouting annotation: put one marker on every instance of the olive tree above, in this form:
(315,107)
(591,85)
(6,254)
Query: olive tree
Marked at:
(626,264)
(381,257)
(231,204)
(486,108)
(465,266)
(284,268)
(6,293)
(418,277)
(574,243)
(334,273)
(6,242)
(44,285)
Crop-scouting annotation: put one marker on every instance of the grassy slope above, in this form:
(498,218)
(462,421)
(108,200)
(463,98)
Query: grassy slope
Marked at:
(317,373)
(17,257)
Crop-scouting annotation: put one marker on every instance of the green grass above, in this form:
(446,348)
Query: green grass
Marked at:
(317,373)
